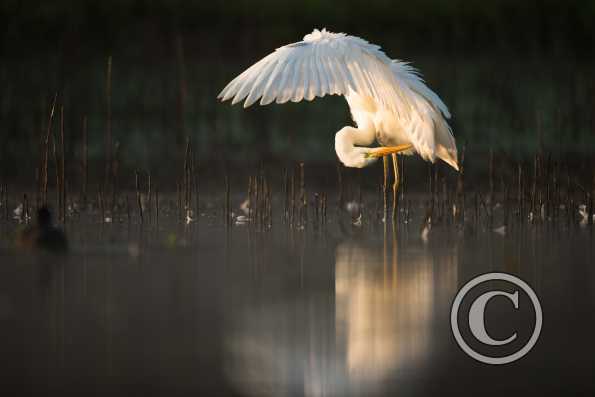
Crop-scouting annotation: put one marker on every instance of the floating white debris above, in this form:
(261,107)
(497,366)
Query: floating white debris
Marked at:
(582,211)
(500,230)
(72,209)
(353,207)
(189,216)
(241,220)
(245,206)
(357,221)
(425,231)
(18,212)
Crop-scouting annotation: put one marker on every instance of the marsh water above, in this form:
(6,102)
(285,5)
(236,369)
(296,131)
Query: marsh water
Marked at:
(340,310)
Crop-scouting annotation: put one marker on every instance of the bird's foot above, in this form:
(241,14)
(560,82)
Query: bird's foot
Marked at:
(386,150)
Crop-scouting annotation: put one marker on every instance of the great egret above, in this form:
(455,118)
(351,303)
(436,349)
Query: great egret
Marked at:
(388,99)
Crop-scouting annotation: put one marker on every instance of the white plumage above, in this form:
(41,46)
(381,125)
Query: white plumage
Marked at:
(388,100)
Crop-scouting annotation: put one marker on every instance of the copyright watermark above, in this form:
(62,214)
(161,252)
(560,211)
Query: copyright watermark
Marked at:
(516,318)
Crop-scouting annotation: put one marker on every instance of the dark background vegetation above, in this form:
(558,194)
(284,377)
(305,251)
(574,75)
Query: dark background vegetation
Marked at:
(517,75)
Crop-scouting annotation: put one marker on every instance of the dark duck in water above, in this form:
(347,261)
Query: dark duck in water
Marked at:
(43,236)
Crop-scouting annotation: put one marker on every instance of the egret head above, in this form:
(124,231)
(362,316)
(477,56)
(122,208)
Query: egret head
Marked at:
(357,157)
(349,154)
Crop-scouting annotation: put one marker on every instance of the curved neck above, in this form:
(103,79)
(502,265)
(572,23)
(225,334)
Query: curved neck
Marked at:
(347,142)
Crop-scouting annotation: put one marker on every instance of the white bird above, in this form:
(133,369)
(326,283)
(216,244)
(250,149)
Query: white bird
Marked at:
(388,99)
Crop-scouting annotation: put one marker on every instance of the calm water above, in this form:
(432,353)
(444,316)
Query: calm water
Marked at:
(340,311)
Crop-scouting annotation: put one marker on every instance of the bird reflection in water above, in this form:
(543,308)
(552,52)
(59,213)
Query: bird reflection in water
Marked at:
(377,321)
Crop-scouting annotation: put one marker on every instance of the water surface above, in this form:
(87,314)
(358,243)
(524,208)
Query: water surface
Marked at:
(339,311)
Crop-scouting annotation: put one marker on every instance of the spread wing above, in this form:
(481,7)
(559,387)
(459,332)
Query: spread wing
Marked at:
(323,63)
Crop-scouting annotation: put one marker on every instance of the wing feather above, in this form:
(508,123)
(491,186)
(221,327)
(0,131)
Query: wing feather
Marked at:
(298,81)
(322,75)
(260,82)
(272,87)
(322,64)
(284,92)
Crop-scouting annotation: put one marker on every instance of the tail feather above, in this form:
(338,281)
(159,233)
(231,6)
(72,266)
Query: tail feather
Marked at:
(446,147)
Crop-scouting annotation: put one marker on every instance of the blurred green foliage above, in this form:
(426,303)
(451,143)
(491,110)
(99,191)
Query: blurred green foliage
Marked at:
(516,74)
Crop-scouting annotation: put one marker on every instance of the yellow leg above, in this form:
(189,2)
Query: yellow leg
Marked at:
(385,186)
(395,183)
(383,151)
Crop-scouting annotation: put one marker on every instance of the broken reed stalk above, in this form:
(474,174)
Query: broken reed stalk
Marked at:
(258,198)
(292,199)
(250,200)
(62,167)
(46,145)
(85,164)
(101,205)
(460,205)
(261,199)
(108,122)
(555,190)
(591,204)
(285,196)
(591,210)
(57,172)
(359,196)
(316,210)
(139,198)
(520,193)
(25,214)
(179,201)
(149,196)
(492,176)
(6,202)
(303,197)
(489,202)
(546,182)
(444,202)
(265,202)
(506,200)
(269,206)
(569,197)
(115,167)
(196,187)
(187,176)
(157,206)
(256,190)
(254,202)
(324,208)
(127,209)
(227,200)
(190,178)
